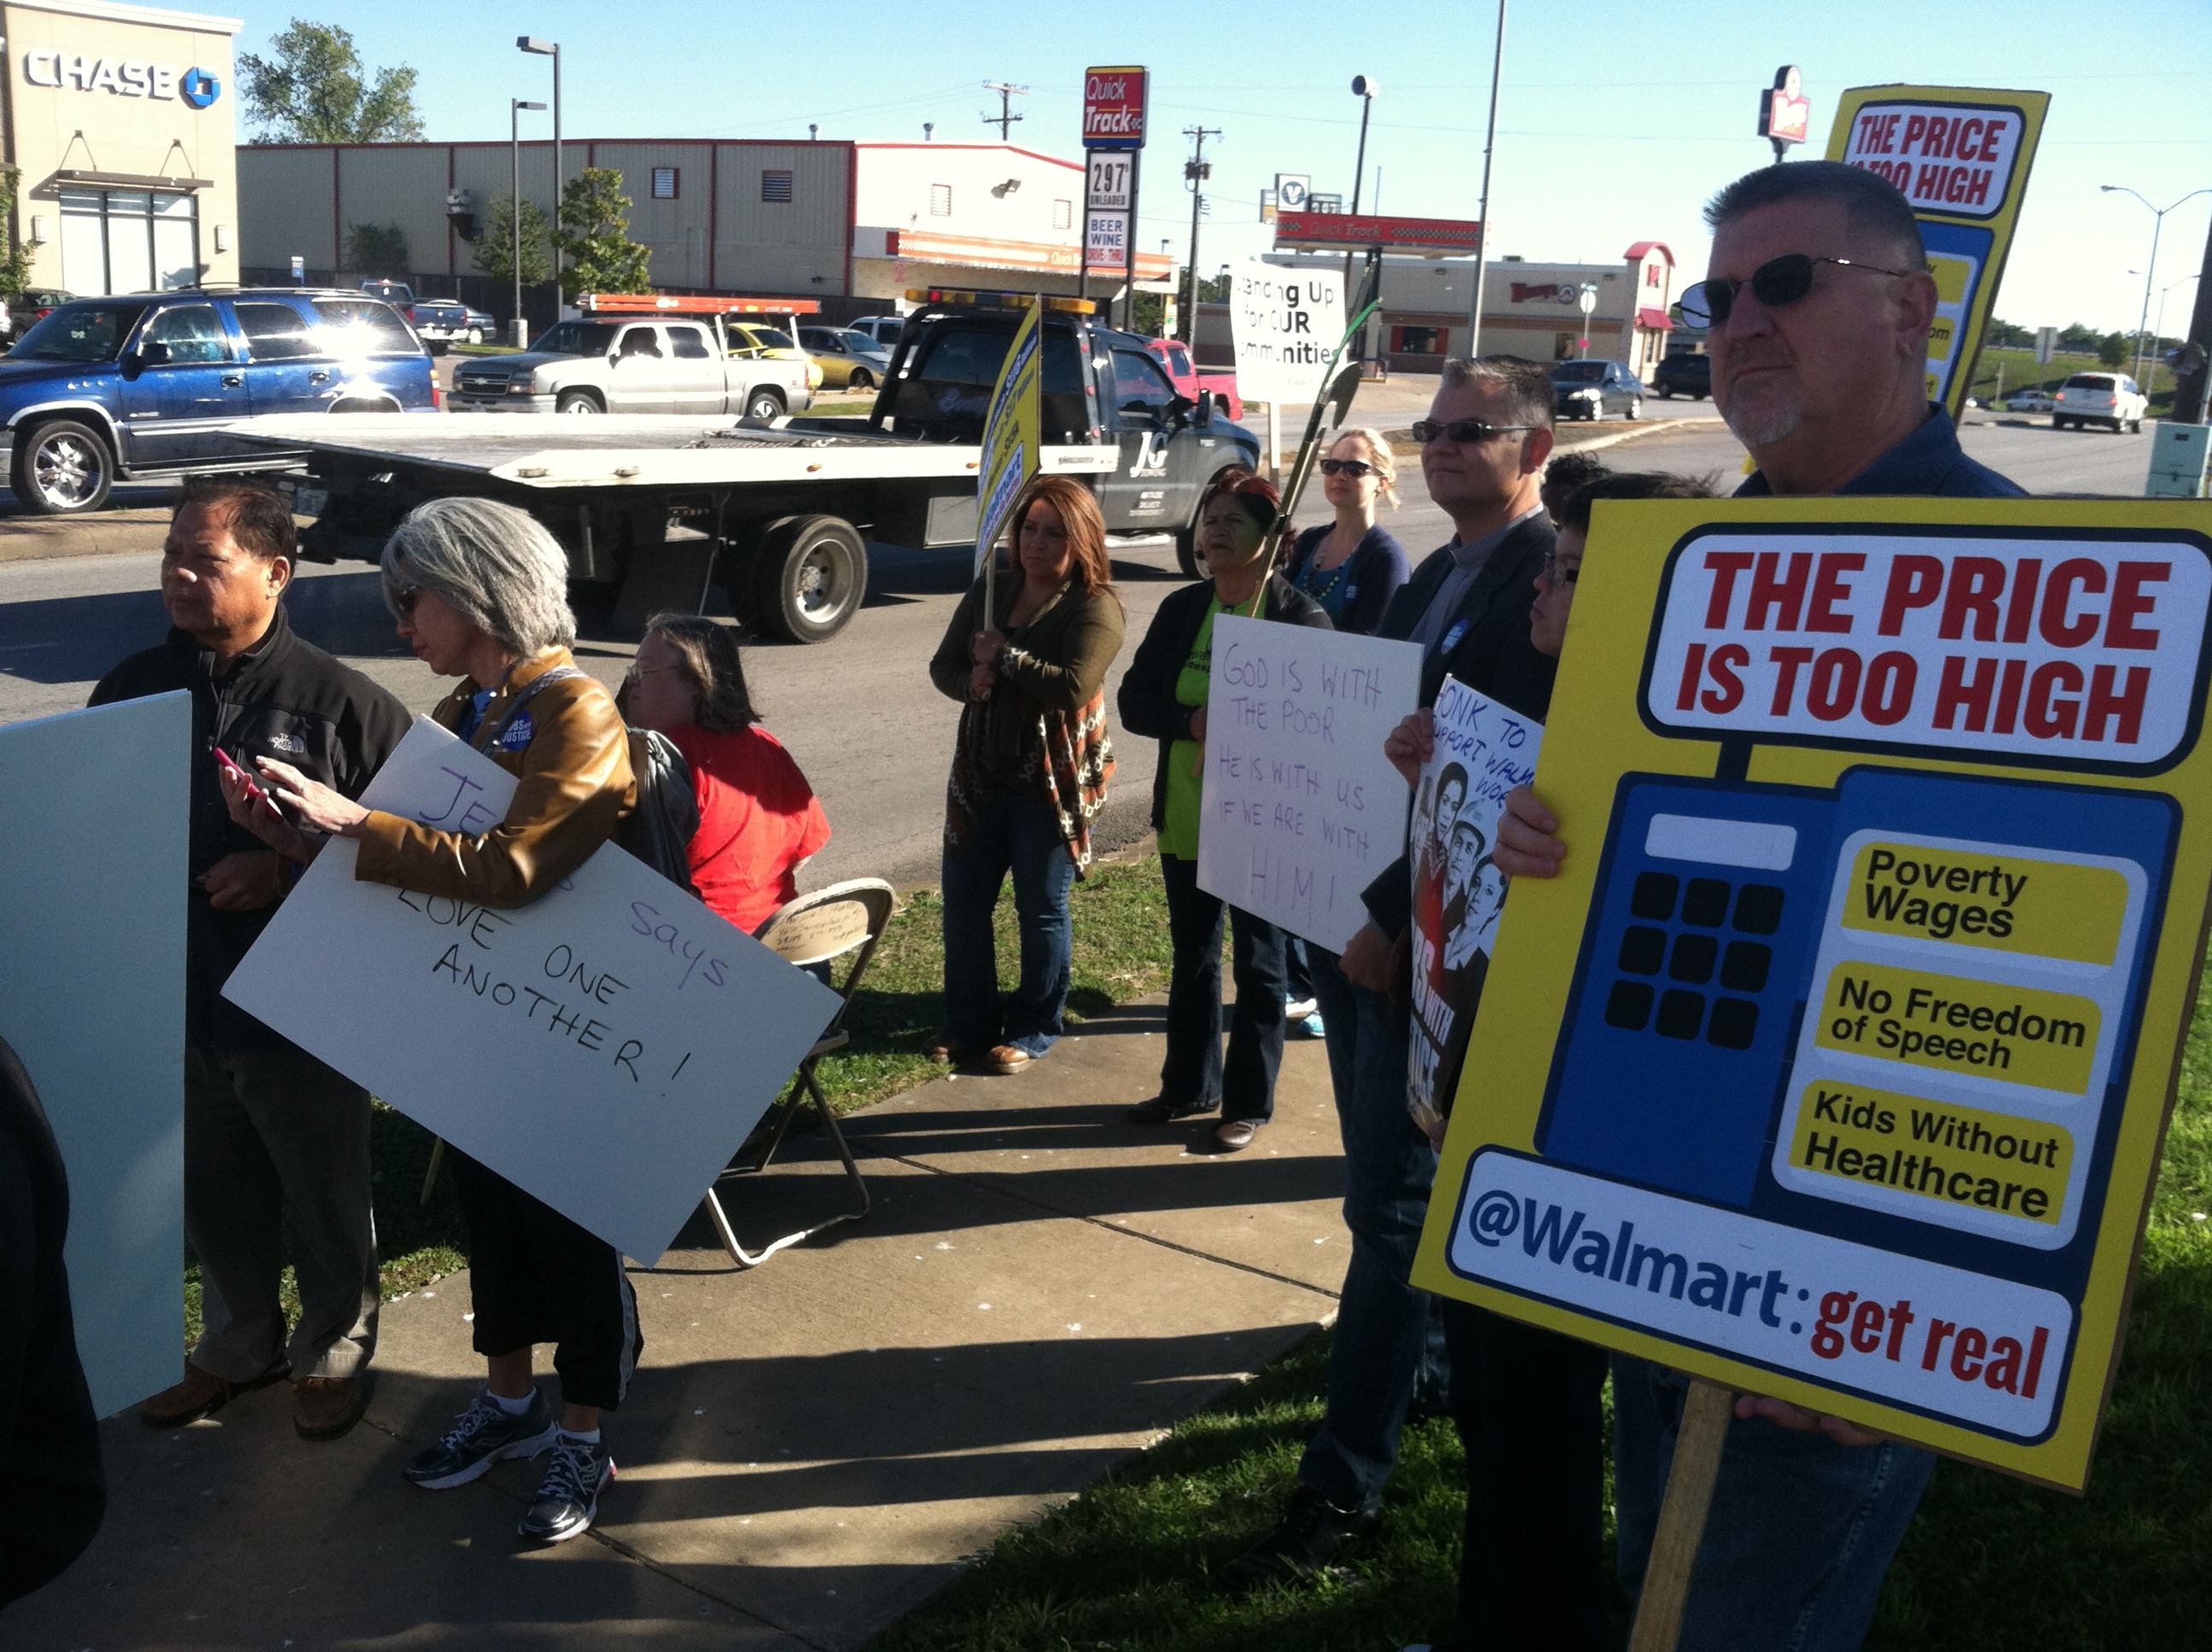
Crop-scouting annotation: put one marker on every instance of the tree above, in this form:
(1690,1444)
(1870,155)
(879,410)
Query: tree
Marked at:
(494,244)
(2008,335)
(2080,337)
(595,234)
(2114,349)
(311,89)
(15,262)
(375,249)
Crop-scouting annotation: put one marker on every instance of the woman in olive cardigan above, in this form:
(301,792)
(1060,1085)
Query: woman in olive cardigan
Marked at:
(1029,768)
(1164,696)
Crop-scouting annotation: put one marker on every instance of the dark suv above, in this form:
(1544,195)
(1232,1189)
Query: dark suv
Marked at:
(1685,373)
(150,384)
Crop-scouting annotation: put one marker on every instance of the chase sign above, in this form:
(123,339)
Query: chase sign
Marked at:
(126,77)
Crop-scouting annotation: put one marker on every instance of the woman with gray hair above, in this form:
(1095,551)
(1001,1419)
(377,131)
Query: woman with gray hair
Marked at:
(480,591)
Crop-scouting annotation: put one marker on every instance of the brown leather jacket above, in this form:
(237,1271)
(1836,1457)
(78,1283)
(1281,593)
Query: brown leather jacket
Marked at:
(576,785)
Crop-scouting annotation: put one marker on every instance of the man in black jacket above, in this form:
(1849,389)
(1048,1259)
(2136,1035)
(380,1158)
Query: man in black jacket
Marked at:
(46,1427)
(272,1137)
(1483,449)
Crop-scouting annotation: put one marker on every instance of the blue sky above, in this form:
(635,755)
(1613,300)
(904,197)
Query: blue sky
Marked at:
(1615,122)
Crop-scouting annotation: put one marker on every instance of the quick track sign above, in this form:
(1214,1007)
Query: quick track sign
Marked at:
(1961,156)
(1864,983)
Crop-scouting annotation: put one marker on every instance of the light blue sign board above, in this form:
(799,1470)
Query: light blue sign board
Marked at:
(93,871)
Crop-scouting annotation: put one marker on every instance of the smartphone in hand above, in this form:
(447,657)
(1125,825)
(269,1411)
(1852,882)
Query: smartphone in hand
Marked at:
(230,769)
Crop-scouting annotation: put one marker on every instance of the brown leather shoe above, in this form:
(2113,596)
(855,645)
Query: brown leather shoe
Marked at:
(1003,1058)
(202,1393)
(325,1407)
(943,1047)
(1234,1135)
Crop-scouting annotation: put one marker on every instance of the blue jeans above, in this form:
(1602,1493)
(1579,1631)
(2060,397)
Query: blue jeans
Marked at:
(1389,1337)
(1801,1531)
(1018,834)
(1192,1070)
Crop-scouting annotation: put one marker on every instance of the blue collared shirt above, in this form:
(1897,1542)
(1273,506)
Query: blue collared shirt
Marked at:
(1928,462)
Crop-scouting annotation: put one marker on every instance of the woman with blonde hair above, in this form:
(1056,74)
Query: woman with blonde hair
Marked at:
(759,820)
(1351,567)
(1029,768)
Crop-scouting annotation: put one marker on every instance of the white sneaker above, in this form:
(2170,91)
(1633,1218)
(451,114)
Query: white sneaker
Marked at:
(1298,1009)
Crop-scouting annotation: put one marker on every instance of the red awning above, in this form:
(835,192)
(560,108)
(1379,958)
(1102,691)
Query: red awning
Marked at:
(1654,318)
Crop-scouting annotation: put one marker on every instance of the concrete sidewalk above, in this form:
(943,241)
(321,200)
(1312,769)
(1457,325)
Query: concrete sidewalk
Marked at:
(811,1450)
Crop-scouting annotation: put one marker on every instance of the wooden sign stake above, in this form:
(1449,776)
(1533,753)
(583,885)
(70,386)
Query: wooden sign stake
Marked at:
(1698,1445)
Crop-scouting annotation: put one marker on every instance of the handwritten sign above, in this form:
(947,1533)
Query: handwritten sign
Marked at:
(1482,752)
(1302,811)
(606,1048)
(93,869)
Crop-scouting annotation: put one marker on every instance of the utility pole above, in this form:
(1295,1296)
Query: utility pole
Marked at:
(1004,120)
(2190,383)
(1195,172)
(1489,139)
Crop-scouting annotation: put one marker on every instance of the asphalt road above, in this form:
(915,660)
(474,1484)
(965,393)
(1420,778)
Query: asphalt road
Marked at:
(859,713)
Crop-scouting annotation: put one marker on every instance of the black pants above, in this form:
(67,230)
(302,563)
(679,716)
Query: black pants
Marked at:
(1193,1070)
(1528,1406)
(536,1277)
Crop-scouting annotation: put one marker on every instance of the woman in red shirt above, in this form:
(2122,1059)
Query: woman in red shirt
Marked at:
(758,818)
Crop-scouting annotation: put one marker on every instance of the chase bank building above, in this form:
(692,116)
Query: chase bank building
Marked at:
(117,120)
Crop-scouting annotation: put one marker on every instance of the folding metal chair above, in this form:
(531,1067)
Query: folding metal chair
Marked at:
(814,928)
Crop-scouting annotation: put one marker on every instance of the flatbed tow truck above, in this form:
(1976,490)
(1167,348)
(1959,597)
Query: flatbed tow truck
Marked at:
(656,511)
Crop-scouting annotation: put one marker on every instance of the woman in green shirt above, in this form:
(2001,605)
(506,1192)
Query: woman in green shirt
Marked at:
(1164,696)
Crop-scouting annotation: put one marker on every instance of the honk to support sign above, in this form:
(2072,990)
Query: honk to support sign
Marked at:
(2060,648)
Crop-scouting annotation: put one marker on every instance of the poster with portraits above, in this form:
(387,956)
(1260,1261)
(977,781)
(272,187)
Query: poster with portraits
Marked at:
(1482,752)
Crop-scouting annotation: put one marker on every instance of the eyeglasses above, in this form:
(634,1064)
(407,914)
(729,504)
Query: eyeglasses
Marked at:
(638,673)
(1774,284)
(1351,467)
(404,598)
(1468,431)
(1556,572)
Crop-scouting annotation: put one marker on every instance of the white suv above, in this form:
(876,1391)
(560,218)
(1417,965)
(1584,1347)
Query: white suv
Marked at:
(2107,398)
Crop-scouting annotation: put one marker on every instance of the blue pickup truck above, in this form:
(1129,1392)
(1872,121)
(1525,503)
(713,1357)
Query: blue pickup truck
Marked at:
(150,384)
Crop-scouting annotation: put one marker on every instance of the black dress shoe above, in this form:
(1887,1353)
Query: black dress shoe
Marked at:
(1161,1110)
(1312,1530)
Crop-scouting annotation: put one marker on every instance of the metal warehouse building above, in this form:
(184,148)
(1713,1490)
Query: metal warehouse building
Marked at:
(853,225)
(118,119)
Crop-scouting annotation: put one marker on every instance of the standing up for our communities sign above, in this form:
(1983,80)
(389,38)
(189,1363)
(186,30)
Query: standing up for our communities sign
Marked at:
(1869,970)
(1961,156)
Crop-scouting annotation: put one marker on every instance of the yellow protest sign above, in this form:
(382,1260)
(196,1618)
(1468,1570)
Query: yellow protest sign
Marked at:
(1961,156)
(1011,427)
(1835,1064)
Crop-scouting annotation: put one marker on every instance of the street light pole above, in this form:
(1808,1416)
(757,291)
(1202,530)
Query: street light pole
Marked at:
(2158,223)
(531,43)
(1362,88)
(514,108)
(1482,211)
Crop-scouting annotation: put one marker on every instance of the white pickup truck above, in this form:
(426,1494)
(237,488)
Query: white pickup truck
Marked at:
(677,364)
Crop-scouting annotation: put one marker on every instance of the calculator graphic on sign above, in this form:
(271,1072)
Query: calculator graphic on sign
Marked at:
(1913,995)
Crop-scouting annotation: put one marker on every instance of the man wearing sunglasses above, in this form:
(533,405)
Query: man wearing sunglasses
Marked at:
(1820,304)
(1483,449)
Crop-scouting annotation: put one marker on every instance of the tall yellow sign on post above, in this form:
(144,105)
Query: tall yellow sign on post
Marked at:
(1835,1064)
(1962,157)
(1012,434)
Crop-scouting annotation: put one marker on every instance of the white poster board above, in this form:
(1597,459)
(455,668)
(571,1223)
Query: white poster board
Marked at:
(1302,809)
(606,1048)
(1285,324)
(94,864)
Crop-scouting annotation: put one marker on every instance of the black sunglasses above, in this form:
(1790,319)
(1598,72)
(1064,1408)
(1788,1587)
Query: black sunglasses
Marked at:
(1469,431)
(1351,467)
(1774,284)
(404,598)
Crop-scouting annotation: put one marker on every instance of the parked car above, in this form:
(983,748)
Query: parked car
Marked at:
(884,329)
(2033,399)
(2107,398)
(607,364)
(848,359)
(398,294)
(23,309)
(756,341)
(1189,378)
(1591,390)
(1683,373)
(152,384)
(444,321)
